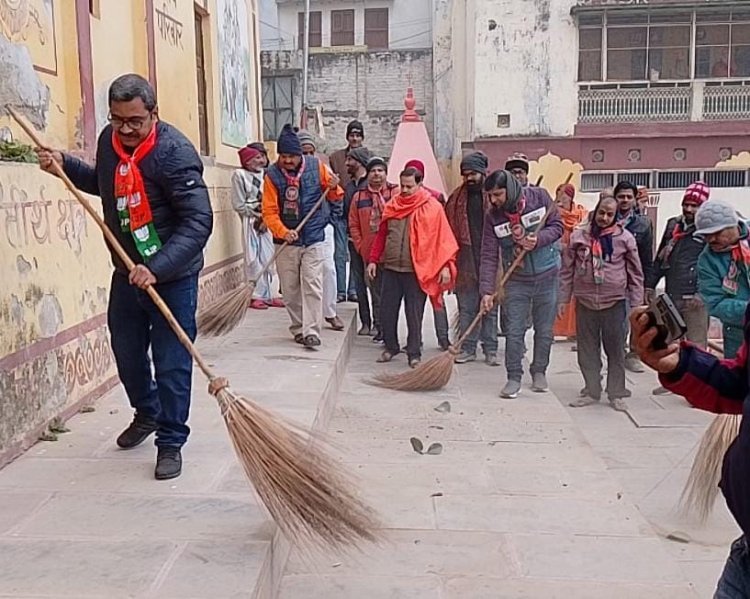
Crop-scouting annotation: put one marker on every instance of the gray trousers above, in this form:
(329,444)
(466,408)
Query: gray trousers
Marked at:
(594,329)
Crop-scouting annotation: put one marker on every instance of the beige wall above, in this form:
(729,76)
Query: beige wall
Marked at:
(54,266)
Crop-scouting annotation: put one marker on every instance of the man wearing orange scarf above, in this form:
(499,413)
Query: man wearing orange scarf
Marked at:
(416,250)
(154,199)
(572,215)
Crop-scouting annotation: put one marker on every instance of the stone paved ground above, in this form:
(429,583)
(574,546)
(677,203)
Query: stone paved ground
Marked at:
(528,499)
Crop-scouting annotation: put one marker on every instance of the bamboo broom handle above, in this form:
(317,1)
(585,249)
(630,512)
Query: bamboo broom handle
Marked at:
(120,251)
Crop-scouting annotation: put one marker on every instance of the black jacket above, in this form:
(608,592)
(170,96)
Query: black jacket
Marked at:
(680,271)
(180,205)
(643,231)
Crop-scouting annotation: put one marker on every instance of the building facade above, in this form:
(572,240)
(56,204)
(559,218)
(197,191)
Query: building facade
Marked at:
(57,59)
(653,91)
(363,56)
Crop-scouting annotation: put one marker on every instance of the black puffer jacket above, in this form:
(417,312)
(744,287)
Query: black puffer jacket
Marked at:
(681,270)
(181,208)
(643,231)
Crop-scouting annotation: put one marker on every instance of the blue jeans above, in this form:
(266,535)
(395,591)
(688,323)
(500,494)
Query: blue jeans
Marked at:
(735,579)
(541,298)
(135,324)
(340,258)
(468,308)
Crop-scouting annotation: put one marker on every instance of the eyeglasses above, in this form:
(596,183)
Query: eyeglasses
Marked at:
(135,123)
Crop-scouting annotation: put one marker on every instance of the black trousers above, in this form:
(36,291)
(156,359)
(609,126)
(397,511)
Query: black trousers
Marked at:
(594,329)
(395,287)
(357,266)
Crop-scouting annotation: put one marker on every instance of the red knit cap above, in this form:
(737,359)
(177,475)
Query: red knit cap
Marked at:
(697,193)
(247,153)
(568,190)
(417,164)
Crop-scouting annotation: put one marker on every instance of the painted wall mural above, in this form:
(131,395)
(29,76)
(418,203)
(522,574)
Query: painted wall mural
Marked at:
(32,23)
(234,69)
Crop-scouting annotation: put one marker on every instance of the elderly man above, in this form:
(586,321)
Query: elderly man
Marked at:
(465,210)
(150,179)
(291,188)
(724,269)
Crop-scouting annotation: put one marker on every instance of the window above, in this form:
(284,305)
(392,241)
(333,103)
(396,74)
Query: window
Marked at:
(656,45)
(638,179)
(278,102)
(376,28)
(596,181)
(200,64)
(725,178)
(316,29)
(677,179)
(342,27)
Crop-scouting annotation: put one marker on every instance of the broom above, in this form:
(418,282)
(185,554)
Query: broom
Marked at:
(436,373)
(307,494)
(224,314)
(702,486)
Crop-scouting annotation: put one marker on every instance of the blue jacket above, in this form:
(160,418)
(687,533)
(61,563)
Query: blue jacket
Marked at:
(721,387)
(497,240)
(727,307)
(180,205)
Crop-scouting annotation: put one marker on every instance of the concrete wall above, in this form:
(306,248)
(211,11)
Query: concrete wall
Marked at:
(410,22)
(54,267)
(369,86)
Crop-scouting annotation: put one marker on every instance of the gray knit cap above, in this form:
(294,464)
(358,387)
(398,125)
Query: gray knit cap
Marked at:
(305,137)
(715,216)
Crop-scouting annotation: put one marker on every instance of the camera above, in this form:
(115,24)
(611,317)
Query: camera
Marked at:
(664,315)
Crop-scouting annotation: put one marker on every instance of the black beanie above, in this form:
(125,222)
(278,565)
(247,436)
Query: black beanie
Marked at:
(355,126)
(376,161)
(361,155)
(288,142)
(476,162)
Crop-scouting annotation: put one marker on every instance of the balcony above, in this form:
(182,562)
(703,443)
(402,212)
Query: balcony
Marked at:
(664,103)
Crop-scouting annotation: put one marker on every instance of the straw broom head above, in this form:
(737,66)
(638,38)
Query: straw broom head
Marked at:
(225,314)
(303,488)
(702,486)
(433,375)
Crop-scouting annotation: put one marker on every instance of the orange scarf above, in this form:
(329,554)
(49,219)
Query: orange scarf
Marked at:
(571,219)
(431,241)
(133,207)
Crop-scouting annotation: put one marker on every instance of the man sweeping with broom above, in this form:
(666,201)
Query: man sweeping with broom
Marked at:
(416,250)
(150,179)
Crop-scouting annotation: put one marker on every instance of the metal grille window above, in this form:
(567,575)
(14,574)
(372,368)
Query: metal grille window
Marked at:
(596,181)
(676,179)
(638,179)
(342,27)
(725,178)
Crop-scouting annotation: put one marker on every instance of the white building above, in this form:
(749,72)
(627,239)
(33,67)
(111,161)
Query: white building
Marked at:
(363,56)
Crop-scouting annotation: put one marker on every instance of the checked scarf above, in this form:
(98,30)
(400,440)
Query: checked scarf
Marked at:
(740,258)
(601,250)
(133,206)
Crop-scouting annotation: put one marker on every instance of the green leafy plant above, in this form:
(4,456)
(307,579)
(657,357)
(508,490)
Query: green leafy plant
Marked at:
(13,151)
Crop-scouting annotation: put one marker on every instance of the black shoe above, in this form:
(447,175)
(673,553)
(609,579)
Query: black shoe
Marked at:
(136,433)
(378,338)
(168,463)
(340,299)
(444,345)
(311,342)
(353,298)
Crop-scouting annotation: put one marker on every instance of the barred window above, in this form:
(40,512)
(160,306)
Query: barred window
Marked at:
(725,178)
(596,181)
(637,179)
(676,179)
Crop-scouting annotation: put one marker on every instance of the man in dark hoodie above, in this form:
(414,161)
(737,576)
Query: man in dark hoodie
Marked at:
(510,227)
(150,180)
(465,210)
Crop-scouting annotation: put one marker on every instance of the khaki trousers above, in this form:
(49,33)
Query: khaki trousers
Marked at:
(301,275)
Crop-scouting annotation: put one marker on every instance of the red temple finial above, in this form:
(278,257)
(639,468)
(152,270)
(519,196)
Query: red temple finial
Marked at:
(410,115)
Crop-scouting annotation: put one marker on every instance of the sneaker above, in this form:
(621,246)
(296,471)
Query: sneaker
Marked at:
(539,382)
(276,302)
(364,331)
(336,323)
(511,389)
(136,433)
(633,364)
(378,338)
(168,463)
(491,359)
(311,342)
(257,304)
(464,357)
(618,404)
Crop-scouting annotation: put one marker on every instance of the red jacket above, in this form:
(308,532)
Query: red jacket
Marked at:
(362,229)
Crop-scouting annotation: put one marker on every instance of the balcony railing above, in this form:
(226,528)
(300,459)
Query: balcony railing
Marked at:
(694,101)
(601,105)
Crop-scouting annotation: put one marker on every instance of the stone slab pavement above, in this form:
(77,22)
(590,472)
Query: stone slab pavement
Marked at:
(81,519)
(527,499)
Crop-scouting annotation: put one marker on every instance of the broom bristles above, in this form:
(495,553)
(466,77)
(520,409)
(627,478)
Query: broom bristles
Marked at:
(226,313)
(306,491)
(702,486)
(432,375)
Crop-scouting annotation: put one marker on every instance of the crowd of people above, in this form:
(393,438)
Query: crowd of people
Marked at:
(382,245)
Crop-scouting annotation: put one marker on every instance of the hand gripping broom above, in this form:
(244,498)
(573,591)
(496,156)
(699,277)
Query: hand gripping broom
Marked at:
(436,373)
(702,486)
(226,313)
(307,494)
